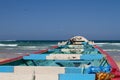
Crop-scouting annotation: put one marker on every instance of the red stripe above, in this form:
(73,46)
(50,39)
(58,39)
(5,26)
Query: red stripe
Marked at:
(115,68)
(11,60)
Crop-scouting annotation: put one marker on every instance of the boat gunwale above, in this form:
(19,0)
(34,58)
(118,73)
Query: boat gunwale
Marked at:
(115,68)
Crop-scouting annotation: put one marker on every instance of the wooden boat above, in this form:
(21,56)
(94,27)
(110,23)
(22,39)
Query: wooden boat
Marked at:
(74,59)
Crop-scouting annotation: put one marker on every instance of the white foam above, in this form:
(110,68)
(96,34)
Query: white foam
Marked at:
(112,44)
(112,49)
(10,45)
(101,43)
(31,47)
(8,40)
(117,44)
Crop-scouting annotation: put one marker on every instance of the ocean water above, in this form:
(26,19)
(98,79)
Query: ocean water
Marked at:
(30,46)
(25,46)
(110,46)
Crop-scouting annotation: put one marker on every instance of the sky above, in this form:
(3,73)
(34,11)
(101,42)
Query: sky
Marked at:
(59,19)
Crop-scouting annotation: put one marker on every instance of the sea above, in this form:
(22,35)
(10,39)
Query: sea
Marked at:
(30,46)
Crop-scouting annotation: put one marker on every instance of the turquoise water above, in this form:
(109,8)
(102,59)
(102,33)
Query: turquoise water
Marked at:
(29,46)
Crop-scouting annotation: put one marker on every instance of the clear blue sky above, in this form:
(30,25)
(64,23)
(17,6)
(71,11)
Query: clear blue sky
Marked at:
(59,19)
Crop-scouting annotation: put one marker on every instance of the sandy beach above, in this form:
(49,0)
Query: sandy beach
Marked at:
(118,63)
(116,56)
(116,59)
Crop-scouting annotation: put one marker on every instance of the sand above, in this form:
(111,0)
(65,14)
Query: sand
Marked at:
(118,63)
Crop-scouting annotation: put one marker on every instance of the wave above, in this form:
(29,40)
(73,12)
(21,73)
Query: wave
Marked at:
(32,47)
(112,50)
(9,45)
(111,44)
(8,40)
(101,43)
(115,44)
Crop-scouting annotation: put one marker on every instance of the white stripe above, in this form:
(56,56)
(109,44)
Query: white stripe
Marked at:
(46,77)
(49,70)
(63,56)
(72,50)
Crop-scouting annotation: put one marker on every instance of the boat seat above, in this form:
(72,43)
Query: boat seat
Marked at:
(49,70)
(12,76)
(65,54)
(24,69)
(76,46)
(65,76)
(92,57)
(72,70)
(64,57)
(72,50)
(52,57)
(84,58)
(76,76)
(46,77)
(6,69)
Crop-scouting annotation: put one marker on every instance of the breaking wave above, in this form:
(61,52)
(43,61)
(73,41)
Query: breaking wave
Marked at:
(118,50)
(110,44)
(9,45)
(111,47)
(32,47)
(8,40)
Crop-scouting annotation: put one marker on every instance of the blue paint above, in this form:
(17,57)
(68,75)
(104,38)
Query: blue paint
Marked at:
(72,61)
(76,76)
(6,68)
(72,70)
(35,57)
(91,57)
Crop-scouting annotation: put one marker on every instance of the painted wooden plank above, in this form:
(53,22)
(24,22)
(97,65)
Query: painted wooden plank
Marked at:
(72,70)
(46,76)
(76,76)
(6,68)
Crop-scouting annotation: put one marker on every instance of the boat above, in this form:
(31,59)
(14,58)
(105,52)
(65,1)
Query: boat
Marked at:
(74,59)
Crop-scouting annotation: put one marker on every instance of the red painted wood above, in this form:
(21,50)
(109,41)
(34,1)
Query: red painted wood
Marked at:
(115,68)
(11,60)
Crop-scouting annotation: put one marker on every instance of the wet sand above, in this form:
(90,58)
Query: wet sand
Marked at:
(117,60)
